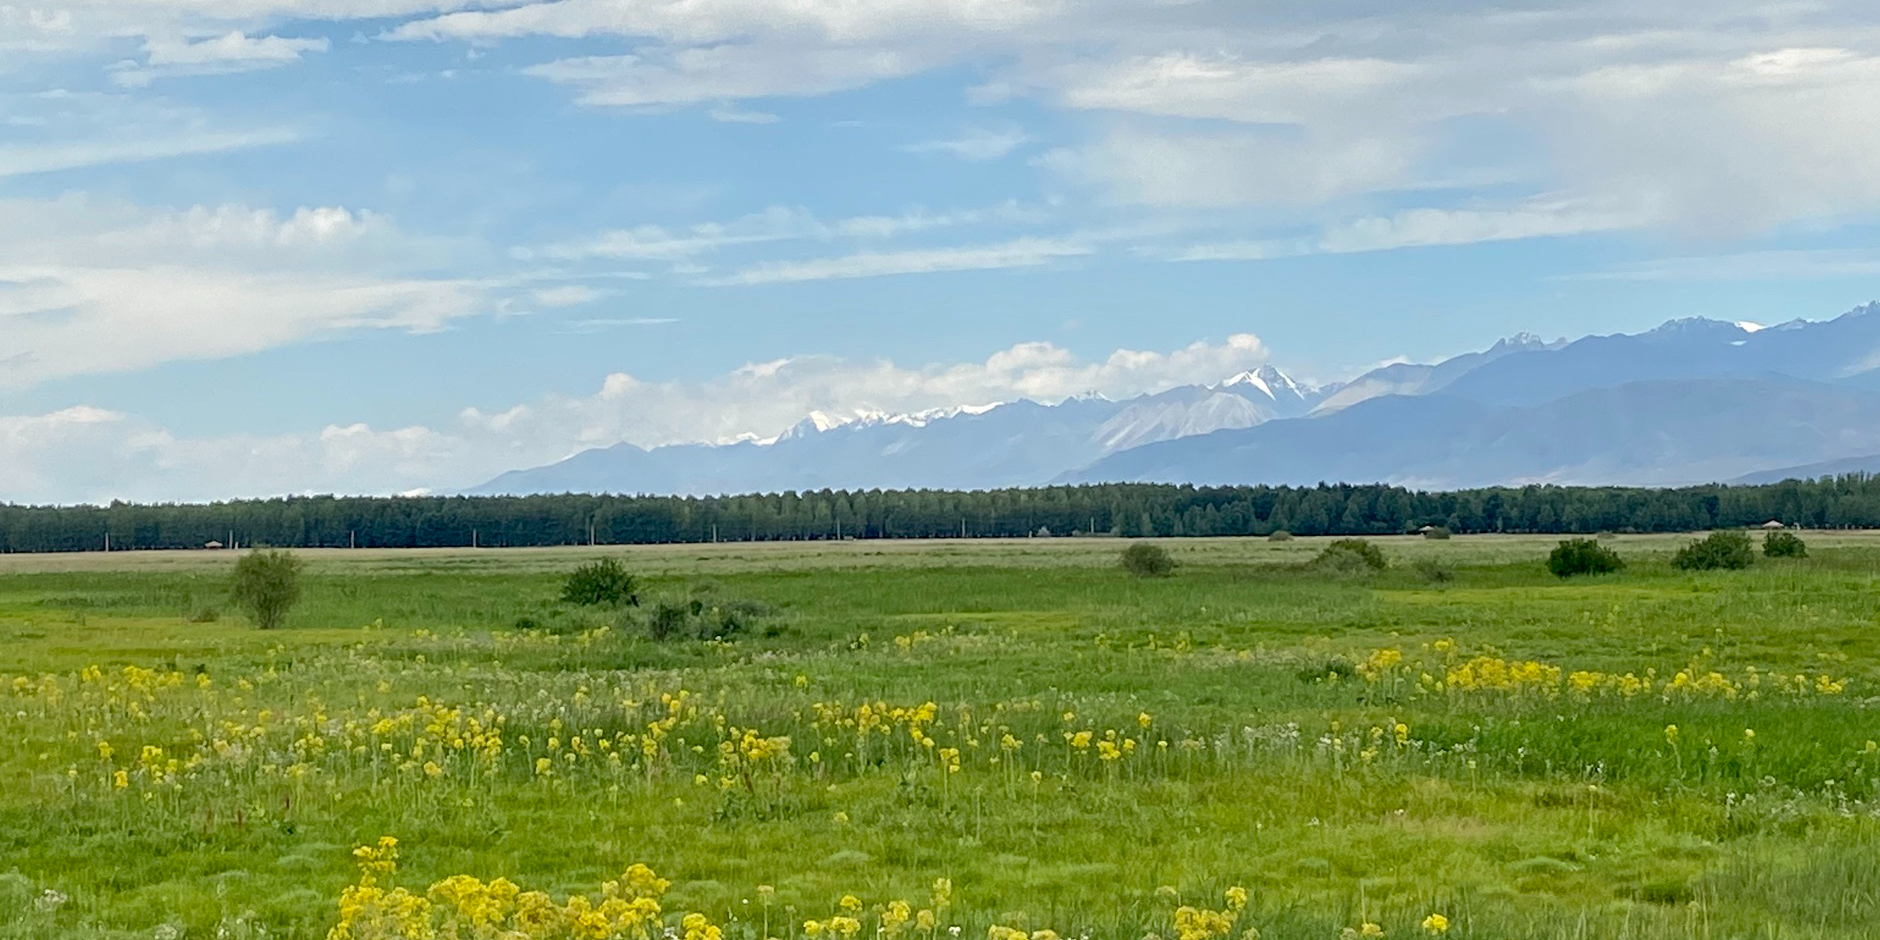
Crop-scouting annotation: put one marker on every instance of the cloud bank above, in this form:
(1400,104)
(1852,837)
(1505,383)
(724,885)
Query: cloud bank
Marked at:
(91,454)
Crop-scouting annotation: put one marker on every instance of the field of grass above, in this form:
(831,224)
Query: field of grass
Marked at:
(908,741)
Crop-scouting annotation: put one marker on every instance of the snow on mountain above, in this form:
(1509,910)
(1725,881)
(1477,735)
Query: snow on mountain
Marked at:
(1407,378)
(1169,416)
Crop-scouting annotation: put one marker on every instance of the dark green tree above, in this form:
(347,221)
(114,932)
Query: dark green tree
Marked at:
(1351,556)
(600,583)
(1583,556)
(1148,561)
(1784,545)
(266,586)
(1726,548)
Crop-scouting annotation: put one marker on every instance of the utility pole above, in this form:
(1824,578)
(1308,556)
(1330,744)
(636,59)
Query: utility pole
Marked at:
(107,540)
(352,539)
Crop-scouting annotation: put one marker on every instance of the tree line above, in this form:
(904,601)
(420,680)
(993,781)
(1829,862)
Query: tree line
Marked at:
(1851,501)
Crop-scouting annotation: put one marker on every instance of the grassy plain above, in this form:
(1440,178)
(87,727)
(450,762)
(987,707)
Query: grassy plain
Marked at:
(1077,750)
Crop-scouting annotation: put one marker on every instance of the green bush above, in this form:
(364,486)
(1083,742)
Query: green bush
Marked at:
(1148,561)
(1433,571)
(1280,535)
(605,582)
(266,586)
(695,619)
(668,620)
(1583,556)
(1729,548)
(1784,545)
(1351,556)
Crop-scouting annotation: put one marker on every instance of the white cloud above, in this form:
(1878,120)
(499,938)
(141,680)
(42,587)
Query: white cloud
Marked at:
(658,243)
(231,47)
(729,71)
(91,454)
(1724,146)
(1219,86)
(726,114)
(1423,228)
(1746,266)
(85,454)
(1019,253)
(707,21)
(763,399)
(90,286)
(976,144)
(775,224)
(65,130)
(1730,117)
(229,53)
(1208,169)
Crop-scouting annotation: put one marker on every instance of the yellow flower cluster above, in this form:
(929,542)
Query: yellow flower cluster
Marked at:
(463,907)
(1492,674)
(1200,923)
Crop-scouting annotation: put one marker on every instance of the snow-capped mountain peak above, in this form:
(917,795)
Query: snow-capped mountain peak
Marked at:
(822,422)
(1249,378)
(1269,380)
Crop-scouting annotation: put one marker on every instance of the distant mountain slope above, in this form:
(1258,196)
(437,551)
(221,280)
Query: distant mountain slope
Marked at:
(1869,463)
(1405,378)
(1650,433)
(1693,400)
(1017,444)
(1837,349)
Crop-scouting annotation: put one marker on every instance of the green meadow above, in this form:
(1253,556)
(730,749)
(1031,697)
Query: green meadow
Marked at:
(1003,739)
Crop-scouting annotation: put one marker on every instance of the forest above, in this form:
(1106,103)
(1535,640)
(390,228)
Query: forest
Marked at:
(1129,510)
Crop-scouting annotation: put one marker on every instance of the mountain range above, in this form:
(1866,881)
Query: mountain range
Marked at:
(1695,400)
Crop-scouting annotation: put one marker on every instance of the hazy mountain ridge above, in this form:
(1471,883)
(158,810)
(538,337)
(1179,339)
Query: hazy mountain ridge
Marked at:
(1694,400)
(1661,432)
(1021,443)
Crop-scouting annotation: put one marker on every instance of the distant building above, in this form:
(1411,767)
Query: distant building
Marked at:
(1773,525)
(212,545)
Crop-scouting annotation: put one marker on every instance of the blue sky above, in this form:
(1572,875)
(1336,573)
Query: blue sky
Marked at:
(251,247)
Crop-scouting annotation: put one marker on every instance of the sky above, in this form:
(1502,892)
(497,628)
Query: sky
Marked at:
(260,247)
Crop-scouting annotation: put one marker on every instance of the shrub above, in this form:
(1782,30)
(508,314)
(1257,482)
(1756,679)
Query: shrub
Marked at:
(1333,670)
(266,586)
(603,582)
(1784,545)
(1148,561)
(1583,556)
(1726,549)
(1280,535)
(668,620)
(1434,572)
(1436,532)
(694,619)
(1351,556)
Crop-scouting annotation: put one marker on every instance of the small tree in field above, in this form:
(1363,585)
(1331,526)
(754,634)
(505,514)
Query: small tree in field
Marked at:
(266,586)
(1351,556)
(605,582)
(1583,556)
(1784,545)
(1725,549)
(1148,561)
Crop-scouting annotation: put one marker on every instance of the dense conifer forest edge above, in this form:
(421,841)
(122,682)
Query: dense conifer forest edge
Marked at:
(1111,509)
